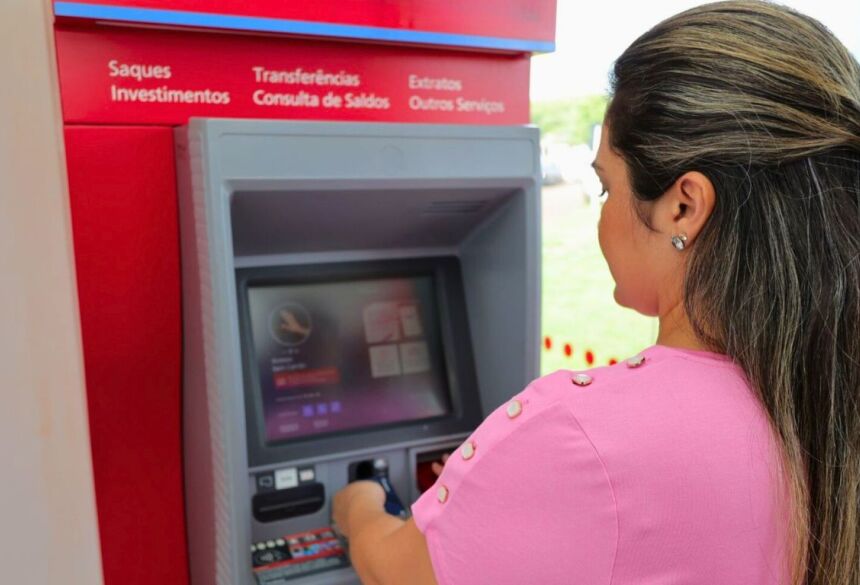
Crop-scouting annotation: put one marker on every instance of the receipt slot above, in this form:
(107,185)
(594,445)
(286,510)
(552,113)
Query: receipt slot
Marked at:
(357,297)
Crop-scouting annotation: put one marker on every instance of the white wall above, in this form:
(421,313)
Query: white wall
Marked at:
(48,530)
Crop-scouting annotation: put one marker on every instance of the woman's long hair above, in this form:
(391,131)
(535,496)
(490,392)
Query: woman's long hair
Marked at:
(766,103)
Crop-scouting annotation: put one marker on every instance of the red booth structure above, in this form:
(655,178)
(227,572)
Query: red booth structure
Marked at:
(131,70)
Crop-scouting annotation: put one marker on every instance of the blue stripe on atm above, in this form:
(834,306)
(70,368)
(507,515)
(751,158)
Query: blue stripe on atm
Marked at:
(299,27)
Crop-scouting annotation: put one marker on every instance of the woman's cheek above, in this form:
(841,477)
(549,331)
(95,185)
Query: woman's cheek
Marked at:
(607,231)
(607,237)
(600,231)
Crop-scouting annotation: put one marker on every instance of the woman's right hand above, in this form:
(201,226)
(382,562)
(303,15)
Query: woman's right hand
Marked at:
(437,467)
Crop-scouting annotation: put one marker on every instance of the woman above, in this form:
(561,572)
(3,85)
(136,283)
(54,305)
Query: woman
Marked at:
(728,453)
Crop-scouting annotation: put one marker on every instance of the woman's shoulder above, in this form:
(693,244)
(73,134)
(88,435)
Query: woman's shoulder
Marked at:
(648,382)
(657,401)
(647,402)
(652,368)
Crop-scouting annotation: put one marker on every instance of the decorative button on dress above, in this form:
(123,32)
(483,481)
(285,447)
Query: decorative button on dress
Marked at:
(659,470)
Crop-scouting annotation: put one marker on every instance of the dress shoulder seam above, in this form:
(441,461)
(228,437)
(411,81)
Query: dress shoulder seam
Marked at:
(609,483)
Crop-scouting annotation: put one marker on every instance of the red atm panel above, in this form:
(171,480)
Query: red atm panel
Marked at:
(124,211)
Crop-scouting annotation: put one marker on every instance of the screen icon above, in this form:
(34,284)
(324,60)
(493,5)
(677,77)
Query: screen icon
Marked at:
(411,321)
(414,357)
(381,322)
(384,361)
(290,324)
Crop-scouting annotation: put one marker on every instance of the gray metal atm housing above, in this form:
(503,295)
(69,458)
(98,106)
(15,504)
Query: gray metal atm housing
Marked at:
(291,194)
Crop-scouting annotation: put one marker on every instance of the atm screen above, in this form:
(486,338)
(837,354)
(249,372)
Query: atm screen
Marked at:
(346,355)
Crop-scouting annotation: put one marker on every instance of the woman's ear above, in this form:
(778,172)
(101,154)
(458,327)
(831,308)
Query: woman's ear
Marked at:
(686,206)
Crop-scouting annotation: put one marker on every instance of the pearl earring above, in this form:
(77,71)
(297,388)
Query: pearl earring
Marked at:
(679,241)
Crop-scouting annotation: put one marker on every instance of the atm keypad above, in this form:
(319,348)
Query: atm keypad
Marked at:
(297,555)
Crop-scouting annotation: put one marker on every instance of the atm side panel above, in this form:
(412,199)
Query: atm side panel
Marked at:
(122,188)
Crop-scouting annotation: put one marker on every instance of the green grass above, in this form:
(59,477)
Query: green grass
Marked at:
(578,306)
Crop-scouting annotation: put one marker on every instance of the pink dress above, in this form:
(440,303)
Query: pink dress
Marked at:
(662,471)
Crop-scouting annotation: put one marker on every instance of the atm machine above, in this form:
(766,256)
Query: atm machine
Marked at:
(357,297)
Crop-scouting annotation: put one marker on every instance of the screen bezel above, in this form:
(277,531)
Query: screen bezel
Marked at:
(457,354)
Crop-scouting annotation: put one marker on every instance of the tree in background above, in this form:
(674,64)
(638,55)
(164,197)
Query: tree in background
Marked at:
(571,121)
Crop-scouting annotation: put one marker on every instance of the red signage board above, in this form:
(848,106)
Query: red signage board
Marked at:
(437,22)
(123,75)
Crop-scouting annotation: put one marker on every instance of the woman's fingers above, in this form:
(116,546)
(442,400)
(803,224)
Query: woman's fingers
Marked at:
(437,467)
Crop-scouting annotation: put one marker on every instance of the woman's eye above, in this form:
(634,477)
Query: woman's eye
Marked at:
(603,195)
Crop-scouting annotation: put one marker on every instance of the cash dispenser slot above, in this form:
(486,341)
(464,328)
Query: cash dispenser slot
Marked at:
(424,474)
(288,503)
